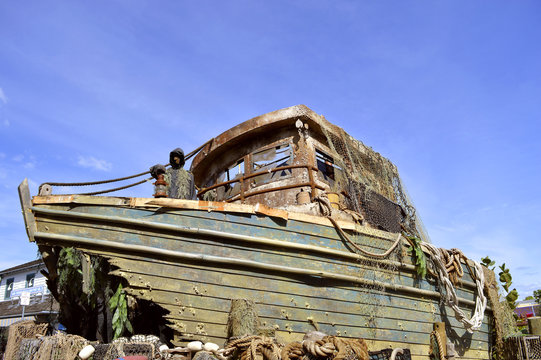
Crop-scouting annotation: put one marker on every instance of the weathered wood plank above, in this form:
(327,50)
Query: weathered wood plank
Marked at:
(233,277)
(265,295)
(287,258)
(410,267)
(377,315)
(29,220)
(212,296)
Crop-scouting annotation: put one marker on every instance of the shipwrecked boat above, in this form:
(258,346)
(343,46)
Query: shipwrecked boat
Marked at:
(293,214)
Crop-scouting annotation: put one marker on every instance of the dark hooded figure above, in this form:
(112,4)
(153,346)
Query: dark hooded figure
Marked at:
(180,183)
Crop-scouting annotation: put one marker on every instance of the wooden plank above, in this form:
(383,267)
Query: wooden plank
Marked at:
(213,247)
(198,205)
(261,293)
(294,236)
(412,309)
(218,279)
(126,218)
(329,276)
(26,203)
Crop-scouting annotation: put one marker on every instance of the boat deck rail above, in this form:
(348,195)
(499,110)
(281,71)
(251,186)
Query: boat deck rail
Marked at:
(242,178)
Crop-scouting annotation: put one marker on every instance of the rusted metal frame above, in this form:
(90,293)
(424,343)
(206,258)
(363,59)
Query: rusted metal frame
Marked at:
(231,236)
(247,171)
(148,250)
(242,190)
(242,178)
(312,182)
(194,152)
(280,168)
(308,167)
(204,190)
(285,187)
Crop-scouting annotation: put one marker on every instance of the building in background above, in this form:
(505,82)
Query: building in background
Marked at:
(526,309)
(26,278)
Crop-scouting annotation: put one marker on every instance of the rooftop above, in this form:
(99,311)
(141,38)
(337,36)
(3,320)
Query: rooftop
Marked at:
(22,266)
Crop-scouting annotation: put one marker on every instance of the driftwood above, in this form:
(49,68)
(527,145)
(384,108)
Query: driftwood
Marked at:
(242,319)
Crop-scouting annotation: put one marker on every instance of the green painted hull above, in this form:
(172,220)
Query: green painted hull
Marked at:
(301,274)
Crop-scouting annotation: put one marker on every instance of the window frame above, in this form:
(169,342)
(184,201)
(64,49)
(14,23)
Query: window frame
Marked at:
(332,164)
(287,143)
(7,293)
(28,277)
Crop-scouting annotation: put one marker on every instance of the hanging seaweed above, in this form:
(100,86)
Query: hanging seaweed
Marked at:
(81,285)
(416,251)
(118,304)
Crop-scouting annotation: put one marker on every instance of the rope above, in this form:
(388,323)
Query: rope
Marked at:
(96,182)
(452,264)
(324,204)
(292,351)
(117,188)
(440,355)
(335,348)
(326,210)
(89,183)
(365,252)
(437,256)
(251,346)
(395,352)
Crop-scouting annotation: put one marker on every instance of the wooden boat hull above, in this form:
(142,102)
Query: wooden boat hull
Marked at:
(192,258)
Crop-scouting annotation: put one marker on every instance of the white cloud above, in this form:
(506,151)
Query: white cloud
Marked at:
(92,162)
(3,97)
(18,158)
(5,122)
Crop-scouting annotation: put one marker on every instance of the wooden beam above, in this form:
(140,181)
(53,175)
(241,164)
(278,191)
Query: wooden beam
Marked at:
(26,204)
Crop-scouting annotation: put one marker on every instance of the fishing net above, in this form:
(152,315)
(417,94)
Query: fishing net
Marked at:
(386,354)
(371,298)
(66,347)
(19,331)
(137,345)
(373,185)
(60,347)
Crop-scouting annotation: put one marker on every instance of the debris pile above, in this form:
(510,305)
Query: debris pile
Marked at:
(20,331)
(27,341)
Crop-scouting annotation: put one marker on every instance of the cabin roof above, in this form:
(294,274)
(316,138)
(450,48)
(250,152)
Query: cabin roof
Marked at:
(256,126)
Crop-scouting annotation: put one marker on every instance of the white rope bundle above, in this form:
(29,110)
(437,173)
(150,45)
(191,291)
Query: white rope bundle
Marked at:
(450,294)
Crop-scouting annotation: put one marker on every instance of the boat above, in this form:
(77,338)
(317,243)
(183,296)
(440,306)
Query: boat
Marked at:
(292,214)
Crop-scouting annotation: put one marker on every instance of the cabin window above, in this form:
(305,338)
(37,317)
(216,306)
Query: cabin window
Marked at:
(269,159)
(9,288)
(236,171)
(326,168)
(30,280)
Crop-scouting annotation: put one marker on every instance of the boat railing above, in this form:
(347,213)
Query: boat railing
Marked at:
(47,187)
(243,194)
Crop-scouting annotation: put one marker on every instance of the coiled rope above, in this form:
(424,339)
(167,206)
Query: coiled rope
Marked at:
(448,267)
(437,346)
(250,346)
(101,182)
(329,347)
(438,259)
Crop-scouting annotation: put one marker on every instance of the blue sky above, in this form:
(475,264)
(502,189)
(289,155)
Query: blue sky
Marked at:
(450,91)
